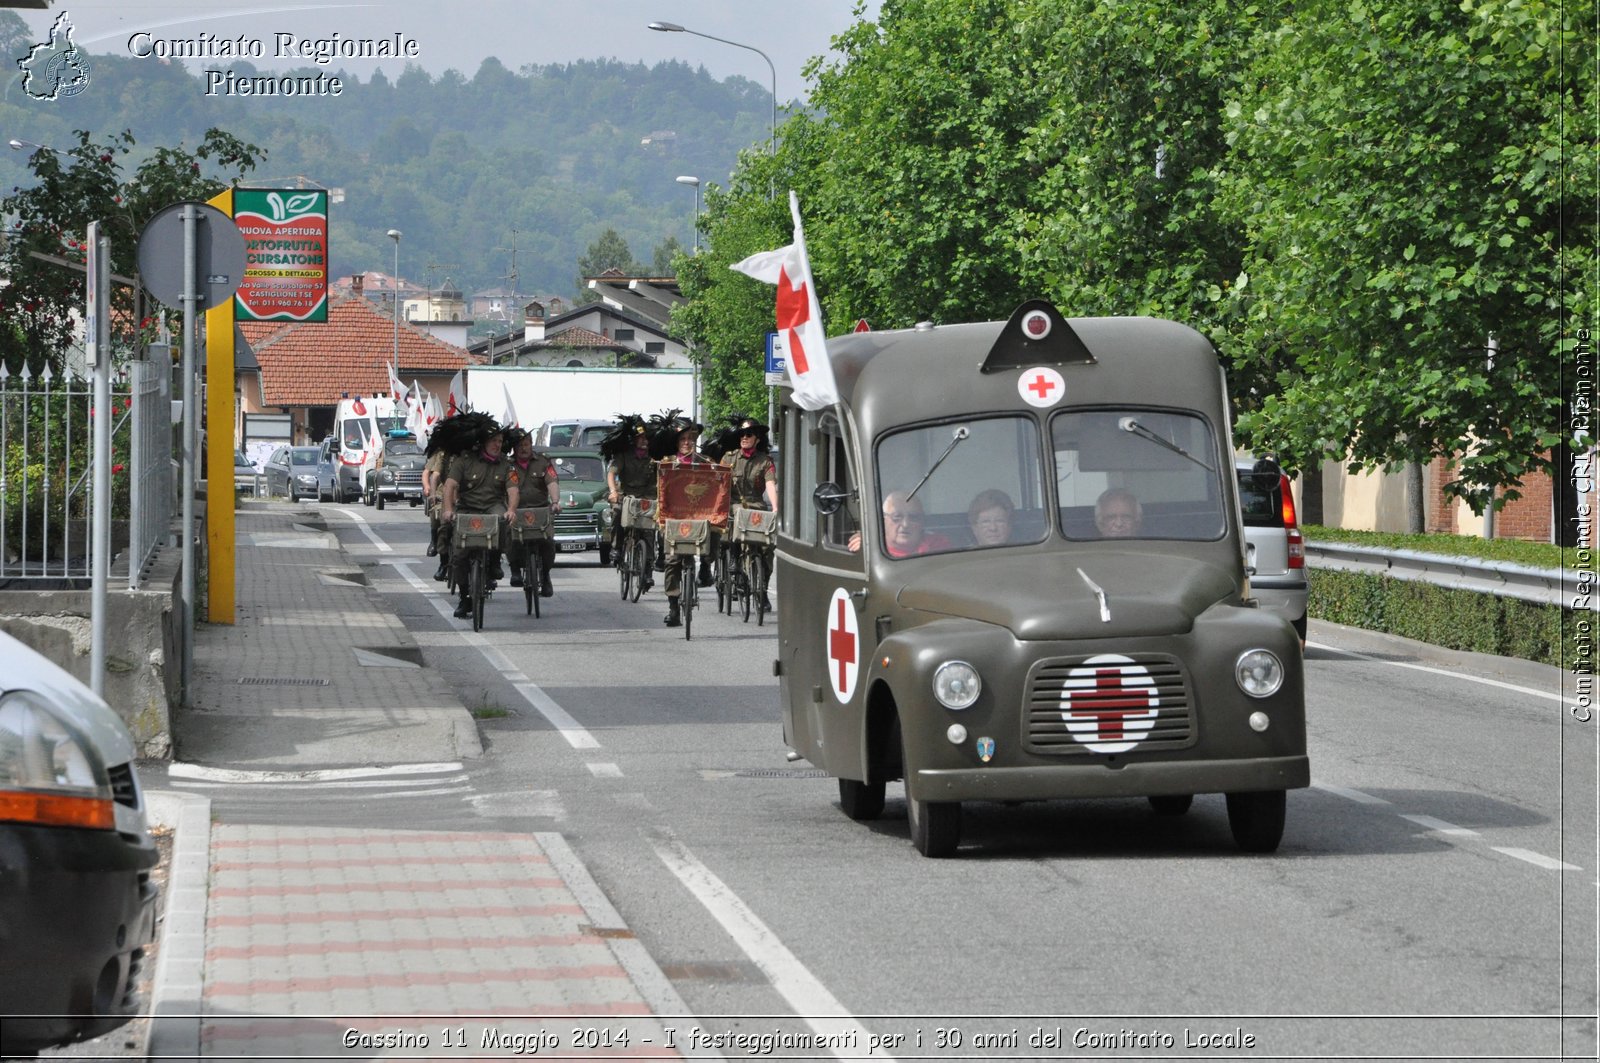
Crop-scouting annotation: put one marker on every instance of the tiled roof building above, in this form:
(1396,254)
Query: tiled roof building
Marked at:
(315,364)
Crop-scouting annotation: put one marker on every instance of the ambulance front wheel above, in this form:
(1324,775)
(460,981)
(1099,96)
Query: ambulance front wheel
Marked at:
(861,800)
(935,825)
(1256,820)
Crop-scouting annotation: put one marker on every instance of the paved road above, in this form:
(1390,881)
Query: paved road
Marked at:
(1433,897)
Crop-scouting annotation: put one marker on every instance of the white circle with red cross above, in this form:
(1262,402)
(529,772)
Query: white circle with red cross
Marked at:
(1041,387)
(843,642)
(1109,703)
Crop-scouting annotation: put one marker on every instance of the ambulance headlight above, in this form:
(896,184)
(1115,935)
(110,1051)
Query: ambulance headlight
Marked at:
(1259,673)
(956,684)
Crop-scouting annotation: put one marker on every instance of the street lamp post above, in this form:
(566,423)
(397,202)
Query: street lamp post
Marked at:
(673,27)
(394,234)
(695,181)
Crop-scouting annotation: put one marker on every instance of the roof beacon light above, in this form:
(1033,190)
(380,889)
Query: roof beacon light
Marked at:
(1036,324)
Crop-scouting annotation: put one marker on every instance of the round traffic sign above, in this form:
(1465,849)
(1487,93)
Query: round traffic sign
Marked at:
(219,256)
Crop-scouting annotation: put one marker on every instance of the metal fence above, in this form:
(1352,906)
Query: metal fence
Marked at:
(1542,586)
(46,465)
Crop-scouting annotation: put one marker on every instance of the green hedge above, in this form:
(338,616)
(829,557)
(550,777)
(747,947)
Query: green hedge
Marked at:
(1443,616)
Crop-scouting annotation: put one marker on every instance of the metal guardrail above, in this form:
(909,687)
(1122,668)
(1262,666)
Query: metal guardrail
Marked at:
(1543,586)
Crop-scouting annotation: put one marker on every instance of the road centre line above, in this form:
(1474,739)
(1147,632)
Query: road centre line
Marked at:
(577,736)
(1439,826)
(1545,694)
(366,529)
(604,771)
(1537,859)
(179,770)
(808,997)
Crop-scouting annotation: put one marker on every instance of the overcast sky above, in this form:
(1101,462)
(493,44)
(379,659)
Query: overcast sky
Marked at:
(517,32)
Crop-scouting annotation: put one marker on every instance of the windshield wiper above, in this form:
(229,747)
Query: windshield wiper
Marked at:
(1128,424)
(957,436)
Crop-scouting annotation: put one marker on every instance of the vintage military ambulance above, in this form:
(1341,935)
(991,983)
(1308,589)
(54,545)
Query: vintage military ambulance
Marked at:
(1063,660)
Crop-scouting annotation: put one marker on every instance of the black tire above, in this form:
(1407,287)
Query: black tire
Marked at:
(605,554)
(724,583)
(935,825)
(479,591)
(759,575)
(625,570)
(686,597)
(1170,804)
(530,581)
(747,585)
(1256,820)
(639,563)
(379,500)
(861,801)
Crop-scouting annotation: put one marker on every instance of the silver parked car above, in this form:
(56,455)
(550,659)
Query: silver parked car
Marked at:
(77,903)
(292,471)
(1275,550)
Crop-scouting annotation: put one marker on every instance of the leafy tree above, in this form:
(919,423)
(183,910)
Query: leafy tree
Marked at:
(1399,170)
(608,251)
(51,217)
(661,260)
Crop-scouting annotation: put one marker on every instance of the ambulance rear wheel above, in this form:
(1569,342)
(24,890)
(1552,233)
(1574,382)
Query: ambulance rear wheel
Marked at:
(861,800)
(1256,820)
(935,825)
(1170,804)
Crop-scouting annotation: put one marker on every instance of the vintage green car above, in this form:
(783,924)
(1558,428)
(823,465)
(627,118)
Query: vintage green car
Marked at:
(1015,571)
(584,520)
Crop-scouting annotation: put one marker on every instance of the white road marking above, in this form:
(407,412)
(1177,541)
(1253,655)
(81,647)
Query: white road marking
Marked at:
(179,770)
(1439,826)
(1353,795)
(604,771)
(577,736)
(1530,691)
(361,784)
(545,803)
(366,529)
(1537,859)
(808,997)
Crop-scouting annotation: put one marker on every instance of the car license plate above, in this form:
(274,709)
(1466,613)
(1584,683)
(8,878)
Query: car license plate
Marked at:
(573,548)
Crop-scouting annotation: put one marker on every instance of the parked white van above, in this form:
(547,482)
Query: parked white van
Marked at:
(360,426)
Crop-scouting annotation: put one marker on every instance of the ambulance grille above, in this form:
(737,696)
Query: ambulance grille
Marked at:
(1110,706)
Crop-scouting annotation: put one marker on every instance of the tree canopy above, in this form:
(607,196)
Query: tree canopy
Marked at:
(1350,199)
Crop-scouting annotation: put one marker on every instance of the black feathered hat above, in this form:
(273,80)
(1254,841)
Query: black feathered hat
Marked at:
(463,433)
(665,430)
(750,426)
(620,440)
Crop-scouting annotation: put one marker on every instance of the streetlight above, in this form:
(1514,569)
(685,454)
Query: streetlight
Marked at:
(18,145)
(696,182)
(673,27)
(394,234)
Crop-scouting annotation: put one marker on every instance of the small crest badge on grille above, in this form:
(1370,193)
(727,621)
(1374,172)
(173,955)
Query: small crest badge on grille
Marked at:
(986,749)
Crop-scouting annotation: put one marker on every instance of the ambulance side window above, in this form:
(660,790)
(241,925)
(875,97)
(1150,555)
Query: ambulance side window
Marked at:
(797,476)
(835,461)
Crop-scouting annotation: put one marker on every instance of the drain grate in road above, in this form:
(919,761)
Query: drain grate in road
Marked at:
(781,773)
(279,681)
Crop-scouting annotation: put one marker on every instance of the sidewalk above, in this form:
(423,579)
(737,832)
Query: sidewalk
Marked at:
(320,941)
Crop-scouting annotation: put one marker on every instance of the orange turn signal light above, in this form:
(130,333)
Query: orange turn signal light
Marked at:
(57,810)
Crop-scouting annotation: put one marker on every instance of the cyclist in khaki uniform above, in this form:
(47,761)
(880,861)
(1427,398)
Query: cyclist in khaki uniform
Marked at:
(755,474)
(537,488)
(480,481)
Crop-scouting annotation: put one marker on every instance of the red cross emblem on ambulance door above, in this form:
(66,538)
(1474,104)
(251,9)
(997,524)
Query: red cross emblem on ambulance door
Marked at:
(1109,703)
(843,646)
(1041,387)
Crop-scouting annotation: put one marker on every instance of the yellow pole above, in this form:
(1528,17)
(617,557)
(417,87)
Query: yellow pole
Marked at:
(220,445)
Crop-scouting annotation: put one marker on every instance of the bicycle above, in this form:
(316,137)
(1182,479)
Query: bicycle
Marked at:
(752,531)
(479,535)
(638,524)
(687,539)
(727,568)
(530,529)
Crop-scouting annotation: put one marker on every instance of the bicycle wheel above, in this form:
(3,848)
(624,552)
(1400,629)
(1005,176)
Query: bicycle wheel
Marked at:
(639,562)
(479,592)
(724,587)
(625,568)
(747,578)
(688,595)
(534,580)
(760,573)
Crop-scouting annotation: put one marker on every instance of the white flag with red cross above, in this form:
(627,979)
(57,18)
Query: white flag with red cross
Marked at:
(799,316)
(455,400)
(397,390)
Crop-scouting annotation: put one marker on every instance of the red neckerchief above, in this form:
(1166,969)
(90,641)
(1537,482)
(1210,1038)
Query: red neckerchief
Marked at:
(485,456)
(748,453)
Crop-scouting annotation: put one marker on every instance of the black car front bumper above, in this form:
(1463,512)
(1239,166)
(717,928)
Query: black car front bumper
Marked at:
(77,910)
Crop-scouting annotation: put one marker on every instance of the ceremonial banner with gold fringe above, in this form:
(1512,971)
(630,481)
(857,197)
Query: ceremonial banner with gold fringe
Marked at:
(694,492)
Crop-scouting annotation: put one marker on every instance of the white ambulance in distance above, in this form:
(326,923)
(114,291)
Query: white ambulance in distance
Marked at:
(360,426)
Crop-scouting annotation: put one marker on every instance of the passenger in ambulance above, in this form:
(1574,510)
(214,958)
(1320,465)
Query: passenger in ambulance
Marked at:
(904,530)
(989,518)
(1118,514)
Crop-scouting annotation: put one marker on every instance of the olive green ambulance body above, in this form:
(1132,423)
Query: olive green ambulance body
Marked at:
(1060,662)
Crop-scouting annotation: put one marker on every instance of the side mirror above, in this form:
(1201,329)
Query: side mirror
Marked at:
(829,497)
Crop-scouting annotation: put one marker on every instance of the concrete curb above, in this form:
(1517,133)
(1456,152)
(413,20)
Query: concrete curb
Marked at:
(180,961)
